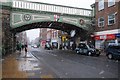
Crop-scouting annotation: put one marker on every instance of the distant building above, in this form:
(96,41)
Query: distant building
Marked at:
(22,38)
(52,36)
(107,18)
(43,36)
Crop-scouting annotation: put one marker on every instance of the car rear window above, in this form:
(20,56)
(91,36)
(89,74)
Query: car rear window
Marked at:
(115,47)
(82,46)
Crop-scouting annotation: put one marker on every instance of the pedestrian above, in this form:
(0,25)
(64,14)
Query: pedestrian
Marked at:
(60,47)
(17,46)
(25,50)
(20,47)
(73,46)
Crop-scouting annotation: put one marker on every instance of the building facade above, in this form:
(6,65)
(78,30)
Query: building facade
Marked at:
(53,36)
(107,30)
(22,38)
(43,36)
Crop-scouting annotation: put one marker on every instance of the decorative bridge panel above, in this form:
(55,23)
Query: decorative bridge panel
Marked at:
(24,18)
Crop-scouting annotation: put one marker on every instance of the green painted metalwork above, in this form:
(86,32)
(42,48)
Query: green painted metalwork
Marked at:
(20,17)
(20,20)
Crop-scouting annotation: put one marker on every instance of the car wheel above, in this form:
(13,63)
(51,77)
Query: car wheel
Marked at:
(89,53)
(77,52)
(97,53)
(110,56)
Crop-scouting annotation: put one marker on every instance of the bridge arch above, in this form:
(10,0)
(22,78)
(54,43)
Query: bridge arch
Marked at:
(52,25)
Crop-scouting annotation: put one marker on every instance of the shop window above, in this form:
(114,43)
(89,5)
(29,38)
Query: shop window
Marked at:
(111,19)
(100,5)
(101,22)
(111,3)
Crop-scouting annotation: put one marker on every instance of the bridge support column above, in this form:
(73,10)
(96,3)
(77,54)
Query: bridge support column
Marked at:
(8,40)
(13,43)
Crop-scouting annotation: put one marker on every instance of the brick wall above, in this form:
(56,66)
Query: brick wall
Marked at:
(104,13)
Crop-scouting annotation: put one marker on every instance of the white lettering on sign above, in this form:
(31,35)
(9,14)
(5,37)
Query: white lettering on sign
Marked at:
(103,37)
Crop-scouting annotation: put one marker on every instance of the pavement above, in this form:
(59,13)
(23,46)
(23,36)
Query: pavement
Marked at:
(20,66)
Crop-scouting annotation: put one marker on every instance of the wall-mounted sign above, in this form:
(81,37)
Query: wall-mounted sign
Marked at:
(82,21)
(117,35)
(105,37)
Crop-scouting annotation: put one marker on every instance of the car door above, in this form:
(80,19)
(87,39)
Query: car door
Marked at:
(82,48)
(85,49)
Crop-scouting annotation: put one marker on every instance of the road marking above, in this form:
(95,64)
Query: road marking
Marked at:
(46,76)
(36,69)
(52,54)
(66,73)
(102,72)
(62,60)
(30,74)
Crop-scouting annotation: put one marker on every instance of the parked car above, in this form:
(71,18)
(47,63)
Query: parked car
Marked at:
(86,49)
(113,52)
(48,46)
(34,46)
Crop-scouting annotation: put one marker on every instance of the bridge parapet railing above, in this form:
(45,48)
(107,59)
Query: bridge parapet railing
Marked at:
(51,8)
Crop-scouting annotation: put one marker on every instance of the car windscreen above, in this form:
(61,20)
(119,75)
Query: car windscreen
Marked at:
(91,46)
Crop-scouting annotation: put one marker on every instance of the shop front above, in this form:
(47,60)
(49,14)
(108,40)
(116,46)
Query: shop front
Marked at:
(43,42)
(54,44)
(102,41)
(118,38)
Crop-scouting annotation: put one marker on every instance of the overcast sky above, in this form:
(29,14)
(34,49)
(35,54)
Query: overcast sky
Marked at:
(32,34)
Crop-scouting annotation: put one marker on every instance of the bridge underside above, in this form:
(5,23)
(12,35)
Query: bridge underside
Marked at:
(52,25)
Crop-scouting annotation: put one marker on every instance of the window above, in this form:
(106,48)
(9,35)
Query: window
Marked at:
(101,22)
(111,19)
(100,5)
(111,3)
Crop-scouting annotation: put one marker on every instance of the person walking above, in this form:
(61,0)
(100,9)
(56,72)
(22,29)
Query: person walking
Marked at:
(25,50)
(20,47)
(73,46)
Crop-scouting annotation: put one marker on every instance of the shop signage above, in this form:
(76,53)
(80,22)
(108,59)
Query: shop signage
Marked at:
(105,37)
(110,36)
(117,35)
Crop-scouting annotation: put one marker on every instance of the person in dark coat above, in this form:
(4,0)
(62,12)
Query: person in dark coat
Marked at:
(60,46)
(25,50)
(73,46)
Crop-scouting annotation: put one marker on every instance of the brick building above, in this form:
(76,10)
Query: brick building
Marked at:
(52,36)
(49,35)
(43,36)
(107,30)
